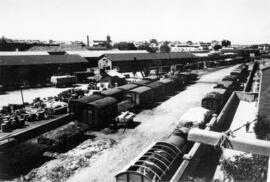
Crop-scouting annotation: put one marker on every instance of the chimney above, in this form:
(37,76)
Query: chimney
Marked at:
(87,40)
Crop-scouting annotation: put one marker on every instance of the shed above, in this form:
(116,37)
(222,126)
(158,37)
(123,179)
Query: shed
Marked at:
(100,113)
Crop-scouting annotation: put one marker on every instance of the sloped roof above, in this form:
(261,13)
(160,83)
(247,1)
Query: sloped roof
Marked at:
(22,53)
(149,56)
(41,59)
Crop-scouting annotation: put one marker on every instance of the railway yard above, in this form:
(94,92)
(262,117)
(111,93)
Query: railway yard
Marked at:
(71,134)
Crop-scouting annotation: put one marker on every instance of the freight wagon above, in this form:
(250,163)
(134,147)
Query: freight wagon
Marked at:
(167,87)
(140,96)
(99,113)
(63,81)
(156,89)
(76,105)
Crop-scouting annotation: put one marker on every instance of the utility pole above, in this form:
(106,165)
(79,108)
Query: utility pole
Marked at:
(22,94)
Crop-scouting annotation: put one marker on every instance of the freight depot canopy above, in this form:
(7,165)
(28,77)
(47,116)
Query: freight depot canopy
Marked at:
(40,60)
(149,56)
(153,166)
(128,86)
(102,103)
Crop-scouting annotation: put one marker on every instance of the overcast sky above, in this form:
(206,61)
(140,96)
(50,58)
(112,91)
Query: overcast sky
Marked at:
(241,21)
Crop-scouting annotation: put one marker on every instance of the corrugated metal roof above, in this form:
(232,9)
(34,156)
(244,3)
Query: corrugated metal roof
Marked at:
(141,89)
(41,59)
(101,103)
(149,56)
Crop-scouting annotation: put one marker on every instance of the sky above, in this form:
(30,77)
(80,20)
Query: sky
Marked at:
(240,21)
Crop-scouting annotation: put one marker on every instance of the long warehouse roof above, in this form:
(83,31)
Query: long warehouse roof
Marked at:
(40,59)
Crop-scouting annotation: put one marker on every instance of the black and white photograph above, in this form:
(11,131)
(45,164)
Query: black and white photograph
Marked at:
(134,90)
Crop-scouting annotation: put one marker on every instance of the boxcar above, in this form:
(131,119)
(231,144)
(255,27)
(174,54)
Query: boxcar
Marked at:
(156,89)
(100,113)
(215,100)
(167,86)
(140,96)
(113,92)
(129,86)
(178,82)
(75,106)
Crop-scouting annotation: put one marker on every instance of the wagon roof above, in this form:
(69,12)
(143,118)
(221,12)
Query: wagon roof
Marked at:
(226,84)
(165,81)
(142,82)
(111,91)
(90,98)
(141,89)
(154,84)
(128,86)
(101,103)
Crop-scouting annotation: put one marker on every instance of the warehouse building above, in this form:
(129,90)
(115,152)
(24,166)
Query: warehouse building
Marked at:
(131,62)
(37,69)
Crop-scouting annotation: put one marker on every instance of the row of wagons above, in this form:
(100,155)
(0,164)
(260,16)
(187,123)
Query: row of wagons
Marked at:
(217,98)
(99,110)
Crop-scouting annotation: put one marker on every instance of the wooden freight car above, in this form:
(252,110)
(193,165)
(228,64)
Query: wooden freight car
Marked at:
(140,96)
(76,105)
(167,86)
(100,113)
(156,89)
(215,100)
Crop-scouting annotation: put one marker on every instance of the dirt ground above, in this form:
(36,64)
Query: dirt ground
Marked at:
(103,155)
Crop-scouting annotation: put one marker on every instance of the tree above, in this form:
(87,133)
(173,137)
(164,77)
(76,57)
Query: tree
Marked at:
(217,47)
(147,48)
(225,43)
(165,47)
(154,41)
(125,46)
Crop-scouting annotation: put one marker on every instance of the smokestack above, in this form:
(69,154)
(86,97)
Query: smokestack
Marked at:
(87,40)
